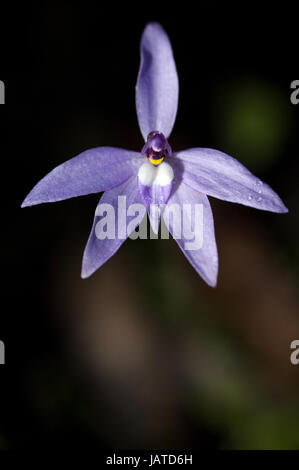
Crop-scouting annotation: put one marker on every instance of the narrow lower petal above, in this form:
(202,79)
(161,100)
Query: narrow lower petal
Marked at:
(205,258)
(92,171)
(121,217)
(221,176)
(155,185)
(157,88)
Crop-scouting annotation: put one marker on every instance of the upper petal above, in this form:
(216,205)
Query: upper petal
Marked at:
(157,88)
(92,171)
(221,176)
(98,251)
(204,259)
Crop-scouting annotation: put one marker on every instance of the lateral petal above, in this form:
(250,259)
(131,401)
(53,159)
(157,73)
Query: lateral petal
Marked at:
(92,171)
(219,175)
(204,259)
(97,250)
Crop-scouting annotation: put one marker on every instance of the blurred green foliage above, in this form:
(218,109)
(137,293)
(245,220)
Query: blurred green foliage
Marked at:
(253,121)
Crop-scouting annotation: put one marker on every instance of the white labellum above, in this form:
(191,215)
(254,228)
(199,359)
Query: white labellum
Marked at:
(150,175)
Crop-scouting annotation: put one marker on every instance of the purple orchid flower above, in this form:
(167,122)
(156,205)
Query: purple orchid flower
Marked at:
(156,174)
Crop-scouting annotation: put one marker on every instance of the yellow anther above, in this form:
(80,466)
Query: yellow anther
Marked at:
(156,162)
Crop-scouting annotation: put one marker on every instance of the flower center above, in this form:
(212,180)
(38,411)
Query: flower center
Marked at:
(156,148)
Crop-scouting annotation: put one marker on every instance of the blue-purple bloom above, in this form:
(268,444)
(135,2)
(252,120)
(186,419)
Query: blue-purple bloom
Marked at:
(156,175)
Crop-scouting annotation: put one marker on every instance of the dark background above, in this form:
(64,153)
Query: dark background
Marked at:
(144,354)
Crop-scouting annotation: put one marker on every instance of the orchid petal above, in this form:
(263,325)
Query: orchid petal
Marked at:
(98,251)
(157,86)
(92,171)
(219,175)
(205,259)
